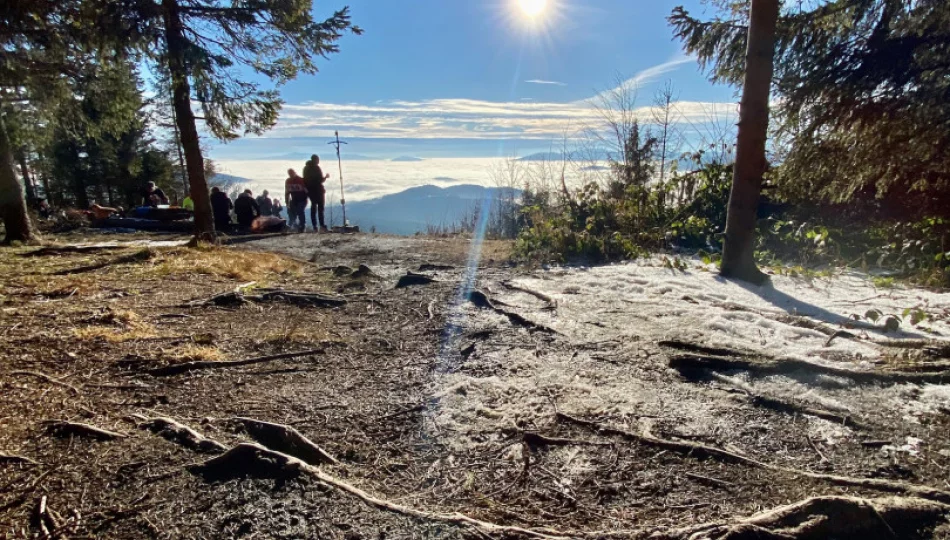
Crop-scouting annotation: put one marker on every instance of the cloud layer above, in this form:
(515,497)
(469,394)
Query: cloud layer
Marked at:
(480,119)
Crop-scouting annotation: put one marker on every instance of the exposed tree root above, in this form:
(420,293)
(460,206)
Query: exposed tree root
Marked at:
(256,461)
(186,367)
(297,298)
(841,518)
(138,256)
(287,440)
(14,458)
(412,279)
(785,406)
(699,450)
(481,300)
(68,250)
(47,378)
(771,366)
(78,429)
(697,348)
(551,302)
(179,433)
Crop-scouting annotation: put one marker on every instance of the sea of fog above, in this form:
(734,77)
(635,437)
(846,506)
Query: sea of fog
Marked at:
(369,179)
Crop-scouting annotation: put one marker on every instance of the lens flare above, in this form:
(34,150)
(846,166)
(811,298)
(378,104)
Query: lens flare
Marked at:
(533,8)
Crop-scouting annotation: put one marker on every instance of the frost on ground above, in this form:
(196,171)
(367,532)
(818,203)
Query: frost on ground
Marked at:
(607,365)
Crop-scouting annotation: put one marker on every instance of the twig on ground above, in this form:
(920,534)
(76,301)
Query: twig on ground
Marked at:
(138,256)
(63,428)
(481,300)
(14,458)
(47,378)
(186,367)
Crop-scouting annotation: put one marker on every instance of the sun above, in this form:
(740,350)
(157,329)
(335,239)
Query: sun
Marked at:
(533,8)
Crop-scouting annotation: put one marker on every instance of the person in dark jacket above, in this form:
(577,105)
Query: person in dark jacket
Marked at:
(246,209)
(314,178)
(153,196)
(265,204)
(221,206)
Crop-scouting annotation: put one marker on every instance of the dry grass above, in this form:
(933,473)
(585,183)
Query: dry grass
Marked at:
(115,335)
(193,353)
(221,262)
(124,325)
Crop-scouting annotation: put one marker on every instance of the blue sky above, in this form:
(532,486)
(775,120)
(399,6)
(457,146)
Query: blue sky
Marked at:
(426,70)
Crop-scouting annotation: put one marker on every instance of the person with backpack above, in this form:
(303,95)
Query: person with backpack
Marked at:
(314,179)
(295,194)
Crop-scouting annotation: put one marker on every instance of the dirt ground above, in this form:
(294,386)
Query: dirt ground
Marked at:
(495,401)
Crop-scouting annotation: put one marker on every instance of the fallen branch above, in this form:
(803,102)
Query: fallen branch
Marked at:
(481,300)
(697,348)
(179,433)
(298,298)
(138,256)
(186,367)
(47,378)
(552,303)
(842,518)
(784,366)
(14,458)
(698,450)
(248,459)
(63,428)
(287,440)
(69,249)
(781,405)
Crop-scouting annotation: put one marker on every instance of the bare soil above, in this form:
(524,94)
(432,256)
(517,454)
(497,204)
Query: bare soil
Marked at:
(390,395)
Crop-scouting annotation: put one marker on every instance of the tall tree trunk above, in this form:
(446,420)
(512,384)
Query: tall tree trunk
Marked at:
(27,179)
(738,249)
(13,211)
(185,119)
(181,157)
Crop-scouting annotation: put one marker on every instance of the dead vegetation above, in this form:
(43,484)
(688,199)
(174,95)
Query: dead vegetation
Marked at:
(128,411)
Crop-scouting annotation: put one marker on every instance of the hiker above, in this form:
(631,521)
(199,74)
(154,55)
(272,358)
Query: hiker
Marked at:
(295,193)
(153,196)
(246,209)
(264,203)
(188,203)
(276,207)
(314,178)
(221,206)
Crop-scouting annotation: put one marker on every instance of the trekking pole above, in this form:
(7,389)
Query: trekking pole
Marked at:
(339,162)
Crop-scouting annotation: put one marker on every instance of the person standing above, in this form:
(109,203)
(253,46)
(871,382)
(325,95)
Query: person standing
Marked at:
(246,209)
(314,179)
(295,194)
(221,206)
(264,203)
(188,203)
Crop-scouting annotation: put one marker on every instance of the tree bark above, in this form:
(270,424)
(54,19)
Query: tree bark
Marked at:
(738,248)
(185,119)
(27,179)
(13,210)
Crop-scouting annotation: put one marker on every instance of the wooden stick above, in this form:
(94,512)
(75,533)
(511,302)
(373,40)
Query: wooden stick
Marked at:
(46,378)
(186,367)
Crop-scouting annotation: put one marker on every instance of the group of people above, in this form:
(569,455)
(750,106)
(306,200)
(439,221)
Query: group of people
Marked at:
(298,191)
(246,208)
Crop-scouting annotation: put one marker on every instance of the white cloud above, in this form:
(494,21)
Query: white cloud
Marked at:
(542,81)
(474,118)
